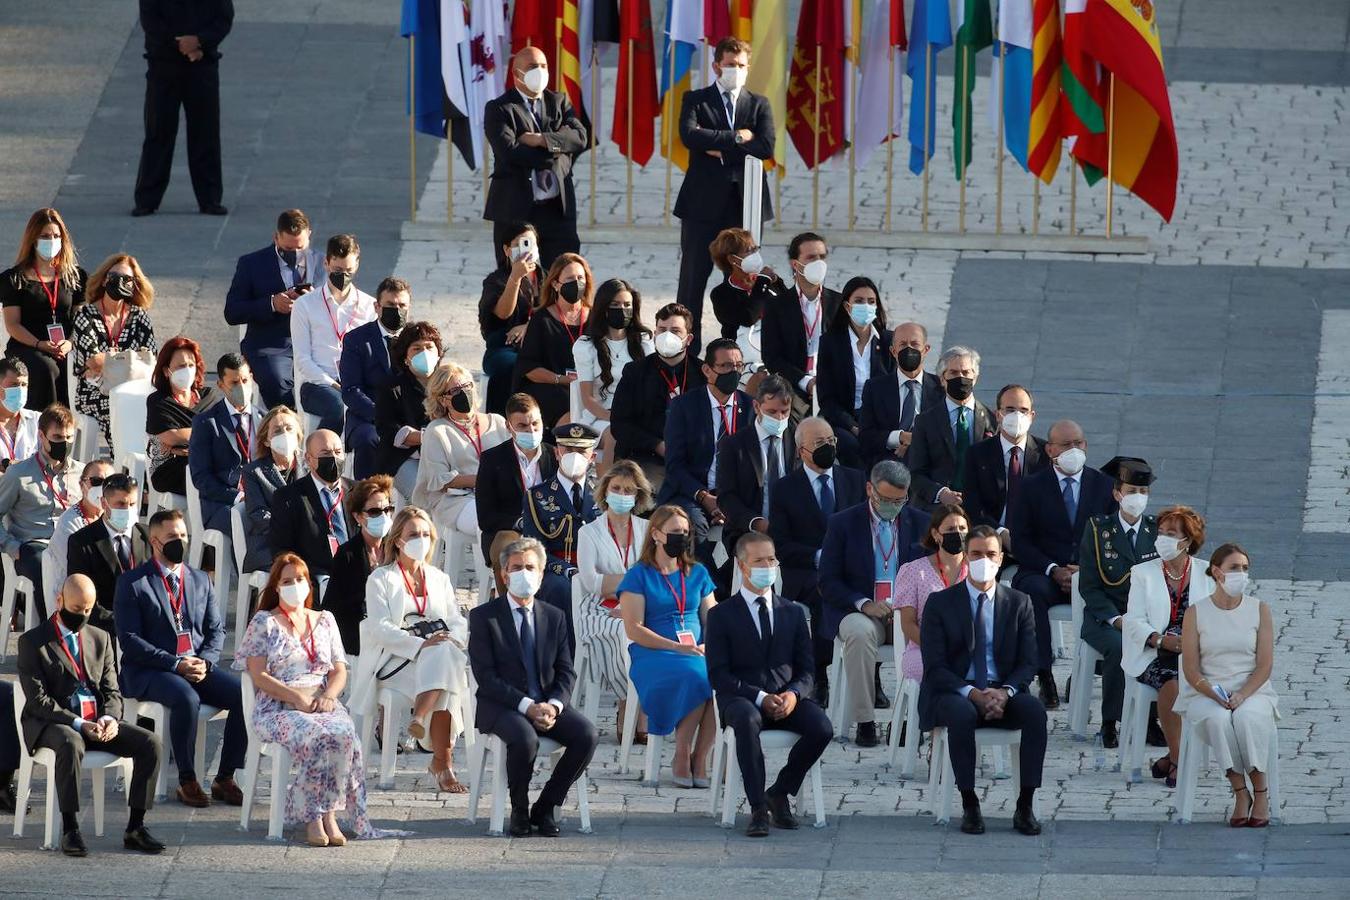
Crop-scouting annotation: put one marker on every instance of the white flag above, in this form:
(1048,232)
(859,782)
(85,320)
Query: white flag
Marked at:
(490,55)
(877,85)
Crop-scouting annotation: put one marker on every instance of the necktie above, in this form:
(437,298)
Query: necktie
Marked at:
(338,523)
(74,645)
(962,445)
(826,494)
(1134,535)
(527,652)
(981,646)
(911,403)
(765,627)
(1070,501)
(544,183)
(772,470)
(123,553)
(731,109)
(576,499)
(1014,476)
(173,584)
(721,426)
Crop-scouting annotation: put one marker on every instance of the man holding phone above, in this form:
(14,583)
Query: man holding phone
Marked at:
(264,289)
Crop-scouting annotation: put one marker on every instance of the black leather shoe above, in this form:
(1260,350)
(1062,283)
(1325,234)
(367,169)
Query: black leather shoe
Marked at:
(72,844)
(8,800)
(1025,822)
(1155,737)
(866,735)
(545,825)
(213,209)
(142,840)
(520,822)
(780,811)
(883,699)
(1110,739)
(140,211)
(1049,693)
(759,823)
(972,820)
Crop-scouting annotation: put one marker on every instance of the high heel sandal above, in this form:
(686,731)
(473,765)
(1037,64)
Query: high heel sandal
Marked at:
(446,780)
(1166,769)
(1236,821)
(1253,822)
(417,728)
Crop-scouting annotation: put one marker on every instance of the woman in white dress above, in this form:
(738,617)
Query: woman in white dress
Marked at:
(401,594)
(615,336)
(607,548)
(452,444)
(1227,653)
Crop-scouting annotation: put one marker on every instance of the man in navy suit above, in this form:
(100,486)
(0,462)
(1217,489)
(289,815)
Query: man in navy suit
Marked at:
(758,649)
(171,634)
(265,286)
(800,505)
(752,461)
(1047,524)
(864,547)
(695,427)
(996,466)
(365,369)
(507,470)
(221,443)
(523,667)
(979,651)
(891,402)
(945,432)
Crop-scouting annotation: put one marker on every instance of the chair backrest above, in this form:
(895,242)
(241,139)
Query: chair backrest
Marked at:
(194,507)
(19,701)
(1076,602)
(574,406)
(126,418)
(237,540)
(247,699)
(49,579)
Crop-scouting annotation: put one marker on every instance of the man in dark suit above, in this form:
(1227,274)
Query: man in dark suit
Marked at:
(365,369)
(262,292)
(753,460)
(72,706)
(171,635)
(110,545)
(996,466)
(182,53)
(979,652)
(647,387)
(799,507)
(795,321)
(1047,524)
(759,656)
(523,667)
(221,443)
(536,137)
(508,469)
(308,515)
(9,748)
(945,432)
(891,402)
(720,125)
(864,547)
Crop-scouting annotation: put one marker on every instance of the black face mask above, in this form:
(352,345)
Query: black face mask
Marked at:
(823,456)
(618,317)
(326,467)
(726,382)
(676,544)
(960,388)
(459,402)
(74,621)
(58,451)
(119,287)
(393,318)
(340,280)
(953,542)
(909,359)
(571,291)
(288,257)
(175,551)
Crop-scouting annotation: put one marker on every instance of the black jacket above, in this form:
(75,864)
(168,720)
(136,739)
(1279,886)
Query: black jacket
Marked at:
(300,524)
(90,552)
(836,383)
(510,196)
(403,403)
(164,21)
(797,525)
(495,655)
(736,309)
(985,490)
(784,334)
(740,479)
(1041,531)
(641,398)
(881,410)
(739,665)
(932,450)
(49,680)
(499,492)
(345,597)
(713,184)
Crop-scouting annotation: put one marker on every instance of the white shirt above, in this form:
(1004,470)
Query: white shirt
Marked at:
(735,95)
(893,440)
(25,437)
(752,602)
(519,620)
(529,468)
(315,339)
(862,363)
(812,314)
(291,277)
(69,522)
(718,411)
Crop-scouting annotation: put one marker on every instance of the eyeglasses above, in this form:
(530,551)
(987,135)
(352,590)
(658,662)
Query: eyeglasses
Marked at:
(95,481)
(826,442)
(723,368)
(377,510)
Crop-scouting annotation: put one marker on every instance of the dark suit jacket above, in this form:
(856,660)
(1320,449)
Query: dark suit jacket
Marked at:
(740,479)
(499,493)
(835,381)
(164,20)
(214,459)
(1041,531)
(797,525)
(345,597)
(511,194)
(738,663)
(881,408)
(847,560)
(495,655)
(90,552)
(689,443)
(145,623)
(947,640)
(783,334)
(712,182)
(986,485)
(49,680)
(365,371)
(641,400)
(403,403)
(261,482)
(257,276)
(300,524)
(932,451)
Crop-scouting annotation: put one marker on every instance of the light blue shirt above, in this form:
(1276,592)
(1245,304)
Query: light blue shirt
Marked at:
(969,407)
(987,623)
(883,538)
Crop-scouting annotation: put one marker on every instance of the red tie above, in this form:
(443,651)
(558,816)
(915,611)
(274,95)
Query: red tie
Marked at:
(1014,476)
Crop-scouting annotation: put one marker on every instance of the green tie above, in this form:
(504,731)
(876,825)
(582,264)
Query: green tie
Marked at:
(962,445)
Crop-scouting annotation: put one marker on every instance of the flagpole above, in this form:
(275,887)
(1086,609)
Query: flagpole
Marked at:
(852,140)
(666,117)
(1002,87)
(927,122)
(1110,152)
(595,117)
(629,196)
(815,152)
(1073,196)
(412,130)
(962,153)
(890,135)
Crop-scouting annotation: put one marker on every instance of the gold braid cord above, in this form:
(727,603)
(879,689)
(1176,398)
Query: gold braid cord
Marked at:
(1097,552)
(556,533)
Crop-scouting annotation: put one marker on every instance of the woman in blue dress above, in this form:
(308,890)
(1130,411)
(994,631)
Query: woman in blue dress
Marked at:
(664,598)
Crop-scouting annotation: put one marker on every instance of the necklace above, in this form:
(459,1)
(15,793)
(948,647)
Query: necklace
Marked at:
(1171,577)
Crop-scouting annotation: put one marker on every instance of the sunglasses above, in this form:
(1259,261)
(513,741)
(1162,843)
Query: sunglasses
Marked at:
(376,510)
(95,481)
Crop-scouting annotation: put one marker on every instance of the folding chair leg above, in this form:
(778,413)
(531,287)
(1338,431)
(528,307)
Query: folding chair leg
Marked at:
(281,766)
(732,797)
(495,826)
(251,763)
(718,766)
(818,792)
(584,801)
(389,752)
(49,832)
(100,799)
(652,775)
(629,729)
(477,765)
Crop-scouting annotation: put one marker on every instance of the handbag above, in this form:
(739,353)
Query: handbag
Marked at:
(122,366)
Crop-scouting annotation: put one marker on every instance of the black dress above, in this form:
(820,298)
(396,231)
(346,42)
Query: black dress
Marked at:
(548,345)
(736,308)
(345,596)
(46,374)
(402,404)
(499,358)
(164,413)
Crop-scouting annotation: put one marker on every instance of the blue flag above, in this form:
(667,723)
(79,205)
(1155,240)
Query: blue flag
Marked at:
(421,19)
(931,29)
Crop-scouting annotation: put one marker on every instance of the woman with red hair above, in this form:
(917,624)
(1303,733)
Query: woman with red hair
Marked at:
(179,378)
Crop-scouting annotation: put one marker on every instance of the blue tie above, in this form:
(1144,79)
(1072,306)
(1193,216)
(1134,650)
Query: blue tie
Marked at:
(826,495)
(981,646)
(527,651)
(339,524)
(74,646)
(911,401)
(1070,502)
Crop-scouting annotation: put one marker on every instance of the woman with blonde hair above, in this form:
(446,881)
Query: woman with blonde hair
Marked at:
(274,465)
(115,316)
(413,640)
(546,366)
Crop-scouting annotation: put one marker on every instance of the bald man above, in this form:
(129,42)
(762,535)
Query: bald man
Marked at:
(73,705)
(310,515)
(536,137)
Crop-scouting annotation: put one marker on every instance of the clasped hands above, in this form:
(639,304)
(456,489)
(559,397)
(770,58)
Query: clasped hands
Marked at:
(190,46)
(192,668)
(779,706)
(105,729)
(543,716)
(990,701)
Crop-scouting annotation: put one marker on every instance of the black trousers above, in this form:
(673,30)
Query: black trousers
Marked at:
(696,263)
(1044,594)
(557,233)
(131,741)
(9,735)
(196,88)
(960,718)
(573,730)
(1107,641)
(46,374)
(808,721)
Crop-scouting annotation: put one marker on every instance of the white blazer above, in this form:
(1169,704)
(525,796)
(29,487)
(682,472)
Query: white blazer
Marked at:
(598,555)
(1150,609)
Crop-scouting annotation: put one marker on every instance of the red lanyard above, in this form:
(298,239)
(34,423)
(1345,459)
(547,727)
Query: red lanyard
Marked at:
(624,549)
(937,564)
(681,598)
(76,664)
(334,509)
(331,317)
(476,438)
(61,497)
(728,425)
(246,438)
(115,338)
(11,445)
(573,338)
(1174,594)
(175,602)
(407,582)
(675,388)
(811,331)
(53,293)
(895,544)
(307,642)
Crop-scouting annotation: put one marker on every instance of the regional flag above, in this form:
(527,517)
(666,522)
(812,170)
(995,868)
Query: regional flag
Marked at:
(532,26)
(742,12)
(930,32)
(1012,67)
(1083,110)
(421,21)
(684,28)
(768,69)
(488,49)
(635,97)
(882,82)
(1046,62)
(1122,35)
(974,32)
(817,131)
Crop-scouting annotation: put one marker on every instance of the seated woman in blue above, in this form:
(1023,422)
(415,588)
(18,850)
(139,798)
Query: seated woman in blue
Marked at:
(664,598)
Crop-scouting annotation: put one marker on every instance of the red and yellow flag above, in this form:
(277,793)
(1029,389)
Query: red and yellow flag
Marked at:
(637,97)
(568,77)
(1046,58)
(741,19)
(532,25)
(817,138)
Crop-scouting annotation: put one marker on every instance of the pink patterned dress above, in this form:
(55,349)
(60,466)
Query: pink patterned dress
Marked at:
(325,746)
(914,581)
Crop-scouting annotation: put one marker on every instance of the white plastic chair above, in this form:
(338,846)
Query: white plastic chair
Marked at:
(202,537)
(281,768)
(838,692)
(1195,755)
(95,762)
(247,582)
(460,556)
(586,695)
(652,771)
(1134,728)
(727,774)
(159,716)
(1060,614)
(15,585)
(396,705)
(1084,678)
(904,709)
(88,434)
(493,746)
(126,418)
(941,778)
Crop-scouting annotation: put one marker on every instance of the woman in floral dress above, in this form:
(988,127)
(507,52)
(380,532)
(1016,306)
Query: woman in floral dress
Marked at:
(294,655)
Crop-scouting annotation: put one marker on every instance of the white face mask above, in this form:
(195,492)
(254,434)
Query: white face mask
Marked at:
(284,443)
(573,465)
(48,248)
(1070,462)
(669,344)
(183,378)
(535,80)
(94,496)
(753,263)
(814,272)
(417,548)
(293,595)
(524,583)
(1235,583)
(983,570)
(1134,504)
(1016,425)
(733,77)
(1168,547)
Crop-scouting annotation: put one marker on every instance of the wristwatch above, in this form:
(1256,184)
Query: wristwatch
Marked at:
(739,139)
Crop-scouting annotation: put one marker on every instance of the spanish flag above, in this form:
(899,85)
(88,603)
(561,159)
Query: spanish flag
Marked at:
(1122,35)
